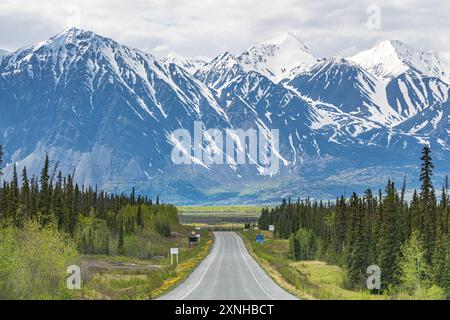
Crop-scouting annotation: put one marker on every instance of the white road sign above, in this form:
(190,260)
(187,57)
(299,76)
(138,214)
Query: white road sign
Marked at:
(173,252)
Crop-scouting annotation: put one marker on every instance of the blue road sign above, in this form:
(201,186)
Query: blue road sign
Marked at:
(260,238)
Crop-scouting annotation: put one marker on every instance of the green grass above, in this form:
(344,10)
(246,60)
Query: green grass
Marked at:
(305,279)
(326,281)
(320,272)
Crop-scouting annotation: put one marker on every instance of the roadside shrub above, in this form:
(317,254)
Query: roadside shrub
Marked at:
(33,262)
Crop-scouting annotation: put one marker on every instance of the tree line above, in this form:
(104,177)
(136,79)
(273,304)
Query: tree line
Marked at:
(94,218)
(408,240)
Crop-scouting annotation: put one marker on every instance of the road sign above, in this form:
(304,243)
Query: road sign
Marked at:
(173,252)
(260,238)
(193,239)
(271,227)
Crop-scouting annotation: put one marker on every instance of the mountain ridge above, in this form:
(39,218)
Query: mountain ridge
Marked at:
(106,111)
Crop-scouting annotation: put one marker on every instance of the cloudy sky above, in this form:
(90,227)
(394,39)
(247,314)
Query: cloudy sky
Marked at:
(210,27)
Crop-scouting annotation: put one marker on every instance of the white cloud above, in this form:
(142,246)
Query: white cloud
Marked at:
(209,27)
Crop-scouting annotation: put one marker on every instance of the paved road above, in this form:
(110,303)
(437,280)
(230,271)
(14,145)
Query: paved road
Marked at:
(228,273)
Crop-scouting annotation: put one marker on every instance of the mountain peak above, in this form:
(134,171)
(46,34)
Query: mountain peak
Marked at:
(338,60)
(391,58)
(283,38)
(175,58)
(396,47)
(69,35)
(191,65)
(74,32)
(173,55)
(276,57)
(393,43)
(225,57)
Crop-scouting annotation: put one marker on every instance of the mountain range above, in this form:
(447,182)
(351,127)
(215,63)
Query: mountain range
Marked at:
(105,111)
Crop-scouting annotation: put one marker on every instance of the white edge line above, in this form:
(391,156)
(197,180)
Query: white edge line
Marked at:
(206,270)
(245,260)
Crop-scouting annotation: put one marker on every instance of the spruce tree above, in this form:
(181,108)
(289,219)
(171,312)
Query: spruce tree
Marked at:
(389,244)
(139,217)
(357,264)
(25,191)
(294,247)
(428,204)
(121,240)
(13,200)
(441,245)
(44,199)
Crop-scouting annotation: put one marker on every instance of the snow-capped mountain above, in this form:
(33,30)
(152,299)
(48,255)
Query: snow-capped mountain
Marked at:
(390,59)
(96,106)
(277,57)
(106,111)
(191,65)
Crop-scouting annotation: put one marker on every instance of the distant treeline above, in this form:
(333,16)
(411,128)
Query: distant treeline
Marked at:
(409,241)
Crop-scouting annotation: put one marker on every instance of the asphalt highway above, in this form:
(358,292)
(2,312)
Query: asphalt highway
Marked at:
(228,273)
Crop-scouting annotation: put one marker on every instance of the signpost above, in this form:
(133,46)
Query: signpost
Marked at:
(193,238)
(271,228)
(173,252)
(260,238)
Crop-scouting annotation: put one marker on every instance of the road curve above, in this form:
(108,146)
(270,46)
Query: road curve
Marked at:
(228,273)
